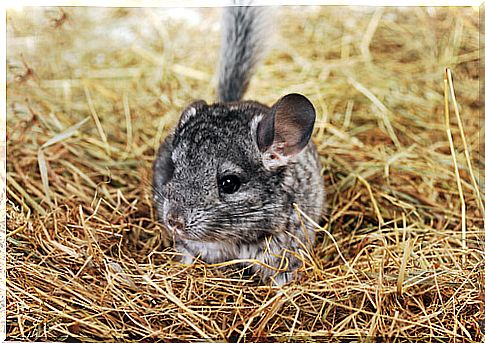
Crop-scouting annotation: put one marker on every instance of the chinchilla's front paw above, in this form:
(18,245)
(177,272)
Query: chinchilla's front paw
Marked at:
(186,259)
(184,256)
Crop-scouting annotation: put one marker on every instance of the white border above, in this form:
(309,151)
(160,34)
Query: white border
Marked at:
(216,3)
(138,3)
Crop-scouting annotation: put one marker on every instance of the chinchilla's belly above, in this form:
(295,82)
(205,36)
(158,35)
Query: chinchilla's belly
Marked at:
(212,252)
(218,252)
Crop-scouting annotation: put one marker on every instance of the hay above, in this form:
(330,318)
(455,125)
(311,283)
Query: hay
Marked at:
(91,93)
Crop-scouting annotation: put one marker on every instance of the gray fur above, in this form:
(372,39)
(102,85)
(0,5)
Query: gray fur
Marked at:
(243,45)
(258,221)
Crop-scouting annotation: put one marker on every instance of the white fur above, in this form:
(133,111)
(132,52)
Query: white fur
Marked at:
(187,114)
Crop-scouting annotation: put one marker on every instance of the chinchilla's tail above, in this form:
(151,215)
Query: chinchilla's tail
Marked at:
(246,33)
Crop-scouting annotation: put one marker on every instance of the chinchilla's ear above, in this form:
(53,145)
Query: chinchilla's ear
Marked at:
(191,111)
(286,129)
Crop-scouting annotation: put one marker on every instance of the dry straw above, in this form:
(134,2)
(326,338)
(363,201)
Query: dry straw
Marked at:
(91,92)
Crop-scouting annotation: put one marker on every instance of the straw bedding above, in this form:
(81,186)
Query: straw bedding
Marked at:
(91,92)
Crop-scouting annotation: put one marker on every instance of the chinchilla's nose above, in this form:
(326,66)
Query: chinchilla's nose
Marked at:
(175,220)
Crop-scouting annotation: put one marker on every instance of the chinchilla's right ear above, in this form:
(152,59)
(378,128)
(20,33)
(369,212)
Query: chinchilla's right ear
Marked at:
(191,111)
(285,130)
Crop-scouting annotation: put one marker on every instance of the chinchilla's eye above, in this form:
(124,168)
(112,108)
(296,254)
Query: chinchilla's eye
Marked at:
(229,184)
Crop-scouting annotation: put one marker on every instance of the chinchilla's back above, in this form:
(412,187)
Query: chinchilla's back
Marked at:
(246,32)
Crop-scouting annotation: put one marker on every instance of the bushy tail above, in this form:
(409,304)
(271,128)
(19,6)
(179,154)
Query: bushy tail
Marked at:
(245,36)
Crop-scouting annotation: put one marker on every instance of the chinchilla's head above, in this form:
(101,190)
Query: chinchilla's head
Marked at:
(223,173)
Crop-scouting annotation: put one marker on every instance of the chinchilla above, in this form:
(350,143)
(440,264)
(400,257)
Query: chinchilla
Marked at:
(226,179)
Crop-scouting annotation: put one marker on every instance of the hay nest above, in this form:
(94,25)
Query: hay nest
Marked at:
(91,93)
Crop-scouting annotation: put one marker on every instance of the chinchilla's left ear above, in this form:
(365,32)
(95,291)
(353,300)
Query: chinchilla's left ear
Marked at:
(286,129)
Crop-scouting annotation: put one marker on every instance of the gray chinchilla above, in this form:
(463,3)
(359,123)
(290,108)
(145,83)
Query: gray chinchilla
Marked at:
(226,180)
